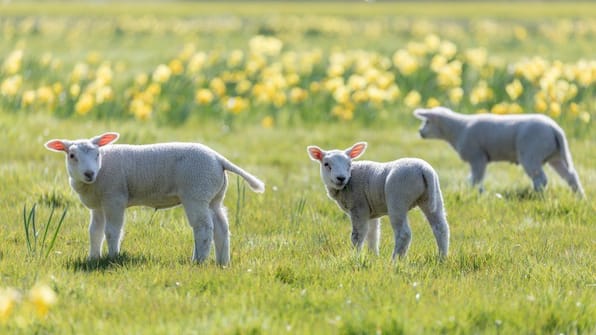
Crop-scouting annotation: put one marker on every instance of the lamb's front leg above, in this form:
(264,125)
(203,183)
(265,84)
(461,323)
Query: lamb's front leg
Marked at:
(477,170)
(374,234)
(96,233)
(114,216)
(359,229)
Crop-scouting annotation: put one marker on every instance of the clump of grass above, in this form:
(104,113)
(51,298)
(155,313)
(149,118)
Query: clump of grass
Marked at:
(39,242)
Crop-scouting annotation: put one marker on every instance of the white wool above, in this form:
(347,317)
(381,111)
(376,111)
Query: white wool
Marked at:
(529,140)
(110,178)
(367,190)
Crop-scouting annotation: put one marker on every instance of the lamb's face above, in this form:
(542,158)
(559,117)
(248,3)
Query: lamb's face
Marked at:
(335,169)
(336,165)
(83,161)
(430,127)
(83,157)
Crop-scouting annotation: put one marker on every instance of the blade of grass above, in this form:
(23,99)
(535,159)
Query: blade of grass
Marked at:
(56,230)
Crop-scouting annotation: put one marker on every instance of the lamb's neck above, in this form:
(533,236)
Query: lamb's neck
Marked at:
(452,126)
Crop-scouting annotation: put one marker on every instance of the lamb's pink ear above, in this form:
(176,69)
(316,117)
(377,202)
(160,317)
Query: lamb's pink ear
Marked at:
(356,150)
(57,145)
(315,153)
(104,139)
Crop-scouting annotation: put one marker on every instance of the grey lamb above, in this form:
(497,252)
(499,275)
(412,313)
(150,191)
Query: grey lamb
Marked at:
(530,140)
(367,190)
(110,178)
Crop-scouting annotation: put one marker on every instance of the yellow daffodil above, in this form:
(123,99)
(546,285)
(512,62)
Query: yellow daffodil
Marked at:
(42,297)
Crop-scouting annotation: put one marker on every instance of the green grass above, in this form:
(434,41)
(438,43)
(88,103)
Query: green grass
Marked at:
(519,262)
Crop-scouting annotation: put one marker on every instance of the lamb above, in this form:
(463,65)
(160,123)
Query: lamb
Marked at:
(530,140)
(367,190)
(110,178)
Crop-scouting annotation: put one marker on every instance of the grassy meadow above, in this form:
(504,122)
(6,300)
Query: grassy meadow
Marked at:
(258,83)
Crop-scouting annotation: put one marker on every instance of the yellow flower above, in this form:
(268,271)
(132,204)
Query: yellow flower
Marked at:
(540,104)
(574,109)
(161,74)
(455,95)
(235,59)
(477,57)
(297,95)
(555,109)
(279,99)
(93,57)
(11,85)
(197,61)
(46,95)
(103,94)
(520,33)
(481,93)
(360,97)
(176,66)
(85,104)
(341,94)
(267,122)
(141,79)
(243,86)
(203,96)
(500,108)
(218,86)
(514,89)
(405,62)
(28,97)
(154,89)
(13,62)
(236,105)
(74,90)
(375,95)
(432,42)
(412,99)
(8,299)
(585,117)
(42,297)
(432,102)
(79,72)
(447,49)
(344,112)
(104,74)
(141,109)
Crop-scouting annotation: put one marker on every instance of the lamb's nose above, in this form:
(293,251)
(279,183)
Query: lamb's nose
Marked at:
(89,174)
(341,179)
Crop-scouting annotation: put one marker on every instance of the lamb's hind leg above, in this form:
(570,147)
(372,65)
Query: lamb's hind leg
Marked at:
(221,234)
(534,170)
(438,222)
(200,220)
(569,175)
(402,233)
(373,235)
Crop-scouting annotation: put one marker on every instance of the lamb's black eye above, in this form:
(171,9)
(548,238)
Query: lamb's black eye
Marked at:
(327,165)
(71,156)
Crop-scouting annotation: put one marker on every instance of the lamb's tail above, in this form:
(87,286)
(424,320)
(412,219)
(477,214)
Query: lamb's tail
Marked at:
(563,148)
(435,197)
(255,183)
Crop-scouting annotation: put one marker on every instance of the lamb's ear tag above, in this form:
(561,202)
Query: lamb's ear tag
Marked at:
(315,153)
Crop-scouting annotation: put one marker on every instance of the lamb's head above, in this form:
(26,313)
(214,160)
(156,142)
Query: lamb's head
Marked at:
(336,164)
(431,121)
(83,157)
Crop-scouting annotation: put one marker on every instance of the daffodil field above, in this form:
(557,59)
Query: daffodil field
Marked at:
(273,71)
(259,82)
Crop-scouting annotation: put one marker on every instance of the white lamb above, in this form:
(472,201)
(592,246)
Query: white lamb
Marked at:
(530,140)
(367,190)
(110,178)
